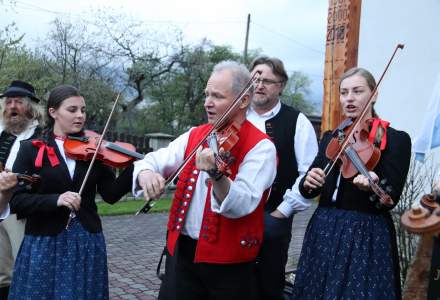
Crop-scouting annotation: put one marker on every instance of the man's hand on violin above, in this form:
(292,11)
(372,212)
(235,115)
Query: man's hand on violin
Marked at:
(152,183)
(205,159)
(70,200)
(7,181)
(315,178)
(362,182)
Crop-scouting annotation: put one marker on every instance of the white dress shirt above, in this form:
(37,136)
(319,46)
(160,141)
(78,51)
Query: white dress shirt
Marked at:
(255,174)
(70,163)
(5,213)
(306,148)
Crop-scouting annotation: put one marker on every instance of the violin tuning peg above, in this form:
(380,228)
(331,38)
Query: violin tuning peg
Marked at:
(28,187)
(383,182)
(373,198)
(389,189)
(378,205)
(21,183)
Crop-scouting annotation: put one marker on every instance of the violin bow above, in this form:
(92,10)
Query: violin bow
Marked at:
(346,140)
(92,162)
(214,127)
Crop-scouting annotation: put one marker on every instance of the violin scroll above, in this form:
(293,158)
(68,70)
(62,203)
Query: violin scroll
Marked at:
(28,180)
(381,194)
(424,218)
(24,179)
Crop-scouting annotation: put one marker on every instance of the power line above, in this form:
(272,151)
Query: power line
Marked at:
(33,7)
(29,6)
(192,22)
(289,38)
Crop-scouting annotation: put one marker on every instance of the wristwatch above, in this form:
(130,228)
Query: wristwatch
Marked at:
(215,174)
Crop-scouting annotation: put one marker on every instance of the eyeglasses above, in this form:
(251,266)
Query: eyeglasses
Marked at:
(266,82)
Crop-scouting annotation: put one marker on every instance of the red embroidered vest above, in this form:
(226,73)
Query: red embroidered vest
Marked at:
(221,239)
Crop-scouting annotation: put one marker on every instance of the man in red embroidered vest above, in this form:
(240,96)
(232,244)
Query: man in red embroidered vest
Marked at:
(215,225)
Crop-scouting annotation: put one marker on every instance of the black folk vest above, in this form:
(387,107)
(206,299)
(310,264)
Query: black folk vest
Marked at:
(281,129)
(6,142)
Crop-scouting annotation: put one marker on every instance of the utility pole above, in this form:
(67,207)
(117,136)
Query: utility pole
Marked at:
(245,53)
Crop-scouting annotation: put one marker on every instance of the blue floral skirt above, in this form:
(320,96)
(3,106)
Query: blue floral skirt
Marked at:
(71,265)
(347,255)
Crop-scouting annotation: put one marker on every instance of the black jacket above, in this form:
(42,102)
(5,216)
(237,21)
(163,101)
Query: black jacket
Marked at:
(39,203)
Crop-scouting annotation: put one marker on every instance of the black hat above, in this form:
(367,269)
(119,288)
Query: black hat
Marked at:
(19,88)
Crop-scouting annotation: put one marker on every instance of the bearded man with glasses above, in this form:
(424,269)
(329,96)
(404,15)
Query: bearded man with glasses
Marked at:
(296,144)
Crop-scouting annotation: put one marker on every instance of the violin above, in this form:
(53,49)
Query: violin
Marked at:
(359,147)
(23,179)
(116,154)
(222,142)
(27,180)
(359,156)
(425,218)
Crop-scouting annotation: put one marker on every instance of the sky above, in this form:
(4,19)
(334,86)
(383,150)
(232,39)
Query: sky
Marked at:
(292,30)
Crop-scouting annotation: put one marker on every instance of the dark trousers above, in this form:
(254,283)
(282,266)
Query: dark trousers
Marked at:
(434,277)
(272,259)
(205,281)
(4,291)
(168,284)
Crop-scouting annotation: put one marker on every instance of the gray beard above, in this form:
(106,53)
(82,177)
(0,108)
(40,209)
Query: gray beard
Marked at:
(16,126)
(263,103)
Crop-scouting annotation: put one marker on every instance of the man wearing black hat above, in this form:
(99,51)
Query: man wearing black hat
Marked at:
(20,116)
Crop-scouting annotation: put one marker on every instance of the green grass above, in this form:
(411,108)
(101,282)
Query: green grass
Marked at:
(130,207)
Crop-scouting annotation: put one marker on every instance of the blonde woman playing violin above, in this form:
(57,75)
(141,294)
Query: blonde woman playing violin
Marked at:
(350,249)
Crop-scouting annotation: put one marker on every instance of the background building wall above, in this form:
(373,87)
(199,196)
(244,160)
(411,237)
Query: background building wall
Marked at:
(407,86)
